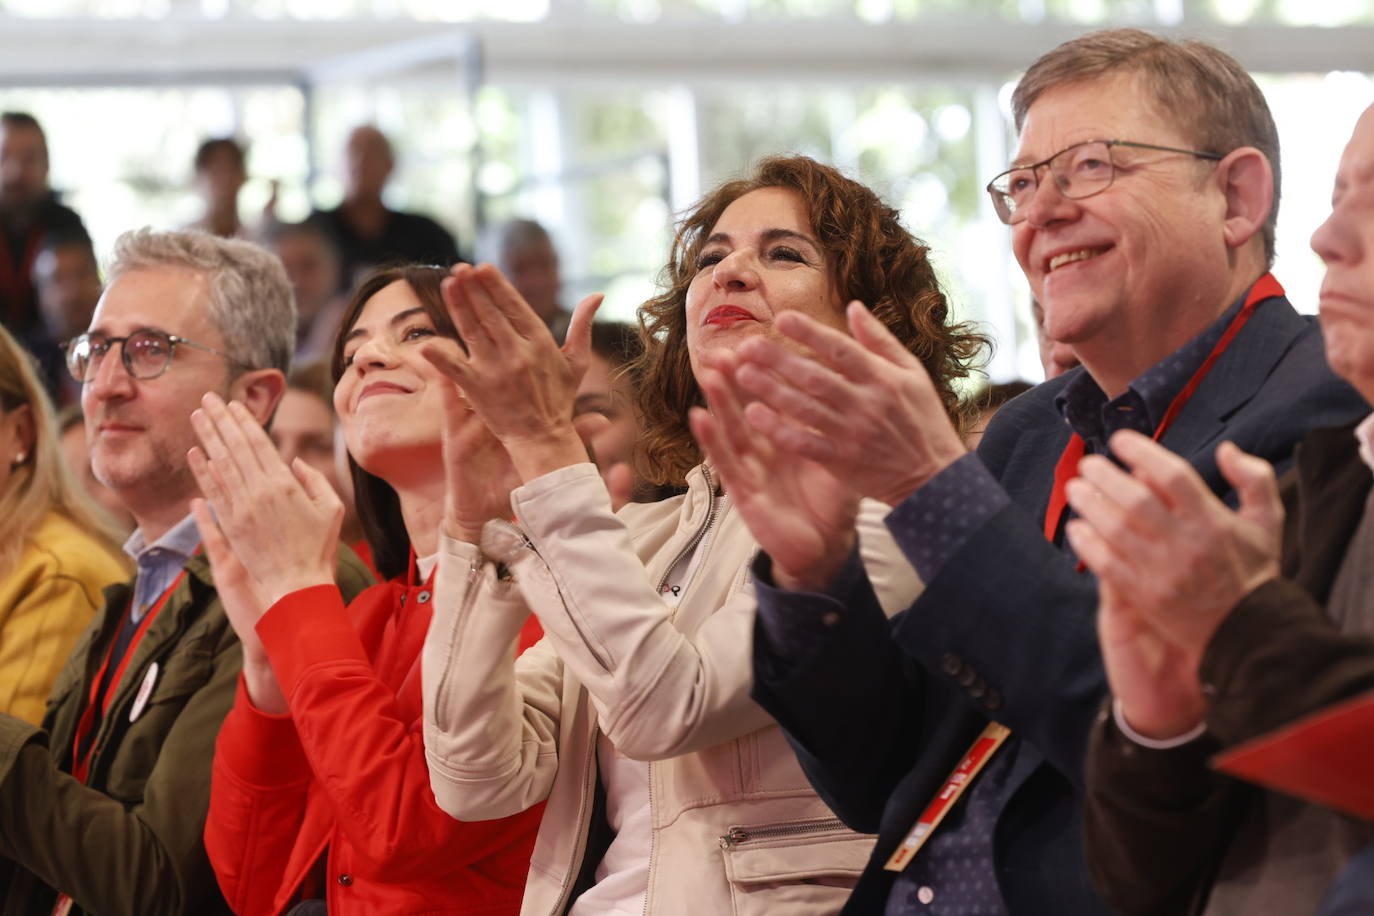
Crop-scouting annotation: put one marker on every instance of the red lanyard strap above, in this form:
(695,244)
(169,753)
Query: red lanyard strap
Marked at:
(1266,287)
(99,699)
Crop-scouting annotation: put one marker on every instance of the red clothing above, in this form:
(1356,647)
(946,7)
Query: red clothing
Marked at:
(345,773)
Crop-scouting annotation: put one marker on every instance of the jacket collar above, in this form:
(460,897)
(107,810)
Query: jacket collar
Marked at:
(1240,372)
(1334,485)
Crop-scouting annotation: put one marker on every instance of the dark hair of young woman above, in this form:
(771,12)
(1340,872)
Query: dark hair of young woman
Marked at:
(379,508)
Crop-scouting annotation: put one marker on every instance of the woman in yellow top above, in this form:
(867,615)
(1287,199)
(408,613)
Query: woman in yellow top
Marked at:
(57,550)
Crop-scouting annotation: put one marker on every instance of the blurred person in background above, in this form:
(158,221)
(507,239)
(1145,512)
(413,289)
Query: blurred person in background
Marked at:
(1055,358)
(305,426)
(606,413)
(221,170)
(67,277)
(523,251)
(29,210)
(367,232)
(311,259)
(57,550)
(71,427)
(988,401)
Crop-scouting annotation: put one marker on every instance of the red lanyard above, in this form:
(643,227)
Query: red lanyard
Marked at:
(81,764)
(993,737)
(1266,287)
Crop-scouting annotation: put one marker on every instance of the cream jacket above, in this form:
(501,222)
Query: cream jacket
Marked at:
(736,828)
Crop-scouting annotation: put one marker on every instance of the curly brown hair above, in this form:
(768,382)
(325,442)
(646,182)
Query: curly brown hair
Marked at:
(873,259)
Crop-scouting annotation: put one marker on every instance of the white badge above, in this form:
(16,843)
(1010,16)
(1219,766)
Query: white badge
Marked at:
(144,691)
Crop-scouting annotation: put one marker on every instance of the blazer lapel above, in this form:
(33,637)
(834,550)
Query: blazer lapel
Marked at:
(1236,378)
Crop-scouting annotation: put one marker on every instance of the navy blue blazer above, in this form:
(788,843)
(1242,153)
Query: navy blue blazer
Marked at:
(880,711)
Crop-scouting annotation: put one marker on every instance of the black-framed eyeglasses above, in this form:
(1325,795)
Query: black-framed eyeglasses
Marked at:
(1079,171)
(146,353)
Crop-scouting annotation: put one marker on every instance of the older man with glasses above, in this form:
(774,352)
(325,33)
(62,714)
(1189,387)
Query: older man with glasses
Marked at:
(103,808)
(1219,625)
(1141,207)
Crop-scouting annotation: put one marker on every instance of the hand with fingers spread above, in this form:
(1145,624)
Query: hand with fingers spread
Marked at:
(517,379)
(800,513)
(1180,558)
(479,475)
(864,408)
(282,523)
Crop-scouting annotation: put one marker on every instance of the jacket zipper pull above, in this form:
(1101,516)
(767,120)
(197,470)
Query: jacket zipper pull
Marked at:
(736,836)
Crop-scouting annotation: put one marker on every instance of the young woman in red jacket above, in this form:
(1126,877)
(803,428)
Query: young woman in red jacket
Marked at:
(320,794)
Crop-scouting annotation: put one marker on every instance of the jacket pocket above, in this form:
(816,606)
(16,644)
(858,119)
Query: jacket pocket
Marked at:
(141,729)
(804,866)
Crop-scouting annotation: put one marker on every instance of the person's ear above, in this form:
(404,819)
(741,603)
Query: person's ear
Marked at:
(20,432)
(1246,180)
(260,391)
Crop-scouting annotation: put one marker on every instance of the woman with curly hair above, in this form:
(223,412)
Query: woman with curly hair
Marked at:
(669,790)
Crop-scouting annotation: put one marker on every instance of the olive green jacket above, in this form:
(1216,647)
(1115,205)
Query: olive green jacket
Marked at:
(129,842)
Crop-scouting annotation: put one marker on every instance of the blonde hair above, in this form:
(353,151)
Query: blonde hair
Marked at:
(41,483)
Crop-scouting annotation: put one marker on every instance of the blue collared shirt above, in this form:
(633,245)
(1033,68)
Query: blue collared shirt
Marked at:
(160,562)
(1146,400)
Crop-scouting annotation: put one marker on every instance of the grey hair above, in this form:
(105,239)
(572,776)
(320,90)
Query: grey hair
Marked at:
(250,296)
(497,242)
(1204,90)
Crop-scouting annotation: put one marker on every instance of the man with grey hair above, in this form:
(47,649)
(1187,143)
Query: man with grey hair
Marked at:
(1140,205)
(103,808)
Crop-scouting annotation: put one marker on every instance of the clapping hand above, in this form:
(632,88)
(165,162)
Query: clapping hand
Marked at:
(1172,561)
(515,377)
(798,511)
(864,407)
(267,529)
(281,522)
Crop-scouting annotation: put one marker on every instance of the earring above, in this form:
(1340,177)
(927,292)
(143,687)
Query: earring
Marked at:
(18,459)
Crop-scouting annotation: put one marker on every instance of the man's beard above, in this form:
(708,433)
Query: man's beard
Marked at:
(161,475)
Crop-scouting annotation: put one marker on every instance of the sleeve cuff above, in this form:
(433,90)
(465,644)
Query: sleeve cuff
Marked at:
(932,524)
(1154,744)
(552,482)
(793,624)
(459,553)
(306,628)
(245,736)
(15,735)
